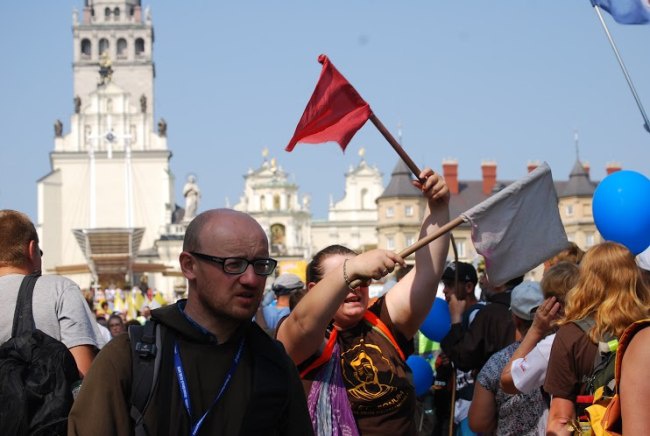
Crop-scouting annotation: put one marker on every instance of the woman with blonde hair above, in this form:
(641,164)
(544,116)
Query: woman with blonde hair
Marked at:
(609,296)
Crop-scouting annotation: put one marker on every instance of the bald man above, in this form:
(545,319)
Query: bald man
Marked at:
(219,372)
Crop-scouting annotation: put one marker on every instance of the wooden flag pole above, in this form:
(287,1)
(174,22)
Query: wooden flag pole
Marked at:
(452,408)
(422,242)
(398,148)
(433,236)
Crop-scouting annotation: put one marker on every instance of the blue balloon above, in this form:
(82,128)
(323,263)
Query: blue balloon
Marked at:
(438,322)
(621,209)
(422,374)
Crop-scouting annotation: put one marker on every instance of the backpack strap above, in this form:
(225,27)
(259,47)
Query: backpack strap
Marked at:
(468,316)
(23,316)
(585,324)
(145,357)
(625,340)
(603,361)
(324,356)
(381,328)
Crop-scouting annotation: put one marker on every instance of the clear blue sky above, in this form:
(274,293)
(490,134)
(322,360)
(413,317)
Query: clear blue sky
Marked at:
(508,81)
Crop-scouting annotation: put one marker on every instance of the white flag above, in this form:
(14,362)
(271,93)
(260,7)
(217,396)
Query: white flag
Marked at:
(518,228)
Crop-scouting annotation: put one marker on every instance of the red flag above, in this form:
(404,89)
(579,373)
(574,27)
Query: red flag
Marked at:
(334,113)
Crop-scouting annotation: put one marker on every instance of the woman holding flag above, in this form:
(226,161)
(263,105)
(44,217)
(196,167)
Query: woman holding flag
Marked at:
(352,358)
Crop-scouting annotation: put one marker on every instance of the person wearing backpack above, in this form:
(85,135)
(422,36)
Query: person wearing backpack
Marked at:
(459,280)
(609,295)
(211,369)
(37,380)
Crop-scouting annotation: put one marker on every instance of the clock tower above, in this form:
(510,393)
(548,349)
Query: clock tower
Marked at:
(109,193)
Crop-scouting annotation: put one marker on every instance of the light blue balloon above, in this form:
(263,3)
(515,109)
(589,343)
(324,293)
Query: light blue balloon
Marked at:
(422,374)
(621,209)
(438,322)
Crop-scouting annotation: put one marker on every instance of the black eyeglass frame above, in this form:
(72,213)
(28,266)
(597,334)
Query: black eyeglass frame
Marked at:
(265,262)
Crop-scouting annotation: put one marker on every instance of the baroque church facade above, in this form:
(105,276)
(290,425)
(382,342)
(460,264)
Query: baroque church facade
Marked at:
(106,210)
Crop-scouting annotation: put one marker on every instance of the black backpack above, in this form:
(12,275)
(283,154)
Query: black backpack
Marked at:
(37,375)
(145,357)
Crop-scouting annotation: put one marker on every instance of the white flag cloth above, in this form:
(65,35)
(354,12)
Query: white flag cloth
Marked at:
(518,228)
(643,259)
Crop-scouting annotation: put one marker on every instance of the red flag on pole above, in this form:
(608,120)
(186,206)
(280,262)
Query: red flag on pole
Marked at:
(334,113)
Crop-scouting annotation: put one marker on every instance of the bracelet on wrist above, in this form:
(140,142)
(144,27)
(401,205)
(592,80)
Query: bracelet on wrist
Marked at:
(345,276)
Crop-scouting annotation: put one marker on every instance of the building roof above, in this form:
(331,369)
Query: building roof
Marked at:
(470,193)
(400,183)
(579,184)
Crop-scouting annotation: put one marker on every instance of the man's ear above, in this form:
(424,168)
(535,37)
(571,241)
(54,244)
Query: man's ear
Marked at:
(32,249)
(469,288)
(188,264)
(310,285)
(33,256)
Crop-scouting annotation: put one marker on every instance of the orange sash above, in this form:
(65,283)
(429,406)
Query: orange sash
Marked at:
(377,325)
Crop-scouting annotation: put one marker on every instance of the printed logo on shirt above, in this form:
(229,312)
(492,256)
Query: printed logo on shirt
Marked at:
(369,376)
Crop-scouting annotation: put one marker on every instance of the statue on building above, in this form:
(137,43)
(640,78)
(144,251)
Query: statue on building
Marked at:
(77,104)
(58,128)
(105,69)
(192,195)
(143,104)
(162,127)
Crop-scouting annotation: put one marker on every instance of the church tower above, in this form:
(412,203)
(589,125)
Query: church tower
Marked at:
(352,219)
(273,200)
(109,193)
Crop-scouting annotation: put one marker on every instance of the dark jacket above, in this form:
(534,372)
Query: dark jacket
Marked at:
(265,395)
(491,331)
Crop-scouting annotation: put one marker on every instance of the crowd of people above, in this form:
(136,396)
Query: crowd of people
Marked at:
(315,355)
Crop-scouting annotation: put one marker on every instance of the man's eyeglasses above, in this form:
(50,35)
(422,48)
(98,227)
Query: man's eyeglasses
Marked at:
(237,265)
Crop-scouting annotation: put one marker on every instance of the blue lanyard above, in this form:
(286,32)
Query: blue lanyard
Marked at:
(185,393)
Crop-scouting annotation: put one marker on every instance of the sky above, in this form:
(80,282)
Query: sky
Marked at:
(509,81)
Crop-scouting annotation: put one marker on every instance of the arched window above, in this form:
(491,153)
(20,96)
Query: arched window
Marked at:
(103,46)
(107,14)
(116,13)
(86,48)
(262,202)
(276,202)
(364,198)
(121,48)
(139,47)
(109,105)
